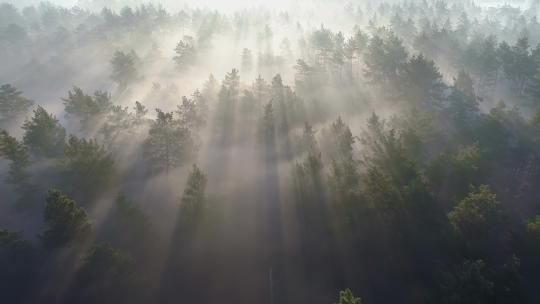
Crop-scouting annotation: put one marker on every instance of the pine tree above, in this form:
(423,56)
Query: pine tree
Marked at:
(87,109)
(67,223)
(17,153)
(193,202)
(12,103)
(44,135)
(169,144)
(87,166)
(185,53)
(124,68)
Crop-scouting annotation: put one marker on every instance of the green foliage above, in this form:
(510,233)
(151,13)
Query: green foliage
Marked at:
(118,121)
(308,79)
(105,263)
(463,114)
(339,141)
(130,213)
(12,103)
(227,103)
(124,68)
(87,109)
(191,113)
(519,65)
(17,153)
(533,226)
(169,143)
(385,150)
(423,81)
(476,214)
(465,84)
(344,179)
(470,284)
(308,179)
(87,164)
(44,135)
(106,276)
(10,243)
(129,229)
(385,57)
(347,297)
(457,172)
(478,220)
(416,131)
(186,52)
(67,223)
(392,209)
(230,87)
(193,202)
(308,142)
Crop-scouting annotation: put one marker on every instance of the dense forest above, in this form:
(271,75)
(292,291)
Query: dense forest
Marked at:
(350,152)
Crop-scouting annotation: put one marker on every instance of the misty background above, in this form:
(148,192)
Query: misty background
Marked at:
(269,152)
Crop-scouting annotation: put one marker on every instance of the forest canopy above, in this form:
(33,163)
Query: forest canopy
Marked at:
(348,152)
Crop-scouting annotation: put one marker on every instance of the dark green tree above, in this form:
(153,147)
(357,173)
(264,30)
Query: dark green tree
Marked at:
(87,166)
(193,202)
(106,276)
(66,222)
(478,220)
(17,153)
(169,143)
(465,84)
(469,284)
(85,108)
(423,81)
(44,135)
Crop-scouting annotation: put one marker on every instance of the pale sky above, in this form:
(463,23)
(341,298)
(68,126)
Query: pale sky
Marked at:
(171,4)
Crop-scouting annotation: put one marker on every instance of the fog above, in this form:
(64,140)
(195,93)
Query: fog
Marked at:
(269,152)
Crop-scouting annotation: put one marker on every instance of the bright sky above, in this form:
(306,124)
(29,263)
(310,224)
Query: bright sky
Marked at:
(171,4)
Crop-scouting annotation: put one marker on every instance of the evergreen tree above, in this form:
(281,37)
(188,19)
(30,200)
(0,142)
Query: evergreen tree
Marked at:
(44,135)
(17,153)
(168,145)
(190,115)
(193,202)
(87,166)
(186,53)
(469,285)
(67,223)
(124,66)
(106,276)
(478,220)
(87,109)
(465,84)
(422,80)
(12,103)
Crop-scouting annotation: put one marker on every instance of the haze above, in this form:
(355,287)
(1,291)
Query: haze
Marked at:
(378,151)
